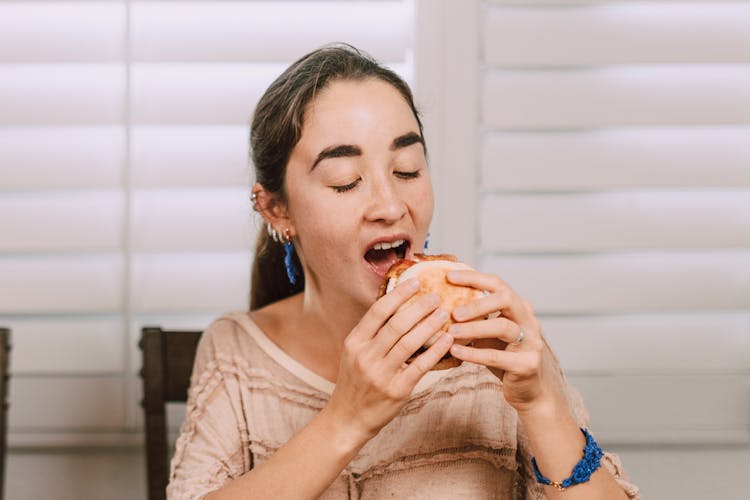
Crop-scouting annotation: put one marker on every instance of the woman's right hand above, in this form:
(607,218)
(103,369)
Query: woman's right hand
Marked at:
(374,381)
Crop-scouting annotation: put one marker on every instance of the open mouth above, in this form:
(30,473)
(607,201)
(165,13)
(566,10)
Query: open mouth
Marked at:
(382,255)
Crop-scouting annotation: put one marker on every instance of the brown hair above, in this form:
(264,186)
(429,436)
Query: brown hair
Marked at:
(276,128)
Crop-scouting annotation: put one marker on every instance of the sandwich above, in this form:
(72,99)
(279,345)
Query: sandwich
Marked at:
(431,271)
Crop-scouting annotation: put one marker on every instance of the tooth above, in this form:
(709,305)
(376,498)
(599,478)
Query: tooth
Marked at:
(385,245)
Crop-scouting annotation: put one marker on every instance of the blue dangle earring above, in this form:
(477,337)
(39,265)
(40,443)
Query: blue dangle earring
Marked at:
(426,243)
(291,269)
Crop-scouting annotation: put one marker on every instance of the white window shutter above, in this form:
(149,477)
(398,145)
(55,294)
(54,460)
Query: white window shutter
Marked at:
(615,195)
(124,181)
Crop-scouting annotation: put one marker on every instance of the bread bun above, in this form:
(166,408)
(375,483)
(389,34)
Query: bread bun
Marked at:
(431,271)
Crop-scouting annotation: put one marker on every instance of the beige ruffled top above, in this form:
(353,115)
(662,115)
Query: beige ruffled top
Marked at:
(455,438)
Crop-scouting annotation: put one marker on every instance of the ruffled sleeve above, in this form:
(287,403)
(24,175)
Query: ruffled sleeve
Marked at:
(213,446)
(610,461)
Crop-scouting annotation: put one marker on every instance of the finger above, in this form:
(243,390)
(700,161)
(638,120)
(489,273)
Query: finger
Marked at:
(404,320)
(518,364)
(483,307)
(427,360)
(475,279)
(501,297)
(384,308)
(494,358)
(497,328)
(408,344)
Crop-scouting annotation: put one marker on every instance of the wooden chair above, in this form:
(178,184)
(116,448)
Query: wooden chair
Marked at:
(4,376)
(167,363)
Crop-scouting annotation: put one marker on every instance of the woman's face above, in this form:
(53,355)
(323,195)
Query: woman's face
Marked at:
(357,181)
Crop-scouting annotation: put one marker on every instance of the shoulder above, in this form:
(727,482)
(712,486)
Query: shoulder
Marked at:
(224,332)
(222,341)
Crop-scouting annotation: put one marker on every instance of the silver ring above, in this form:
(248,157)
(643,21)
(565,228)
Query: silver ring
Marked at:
(520,338)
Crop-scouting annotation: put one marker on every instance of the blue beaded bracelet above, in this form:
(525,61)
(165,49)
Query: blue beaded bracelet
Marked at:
(591,461)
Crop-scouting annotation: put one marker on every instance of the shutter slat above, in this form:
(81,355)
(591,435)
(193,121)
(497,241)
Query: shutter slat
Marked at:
(646,344)
(249,31)
(190,282)
(52,283)
(198,93)
(61,94)
(88,403)
(61,221)
(616,96)
(710,32)
(156,162)
(631,282)
(617,221)
(192,219)
(217,94)
(61,157)
(61,31)
(667,409)
(619,158)
(80,345)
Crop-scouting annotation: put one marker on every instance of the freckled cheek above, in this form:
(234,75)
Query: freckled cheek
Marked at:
(326,230)
(423,206)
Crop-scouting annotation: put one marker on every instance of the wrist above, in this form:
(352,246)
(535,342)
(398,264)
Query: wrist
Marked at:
(582,471)
(345,435)
(544,410)
(555,439)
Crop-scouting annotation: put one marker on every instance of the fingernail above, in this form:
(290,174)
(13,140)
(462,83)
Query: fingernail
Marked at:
(458,349)
(412,284)
(446,338)
(442,314)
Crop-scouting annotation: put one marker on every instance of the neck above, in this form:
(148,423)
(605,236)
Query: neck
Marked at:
(333,316)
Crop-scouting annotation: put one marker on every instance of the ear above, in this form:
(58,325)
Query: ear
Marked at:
(272,209)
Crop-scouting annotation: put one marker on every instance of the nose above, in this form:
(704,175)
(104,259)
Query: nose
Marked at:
(385,204)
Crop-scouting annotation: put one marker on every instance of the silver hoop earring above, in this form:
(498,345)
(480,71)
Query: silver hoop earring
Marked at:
(272,232)
(284,237)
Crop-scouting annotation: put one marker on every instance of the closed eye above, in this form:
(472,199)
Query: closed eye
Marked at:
(407,175)
(346,187)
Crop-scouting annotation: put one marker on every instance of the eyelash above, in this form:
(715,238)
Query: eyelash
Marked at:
(344,189)
(408,175)
(402,175)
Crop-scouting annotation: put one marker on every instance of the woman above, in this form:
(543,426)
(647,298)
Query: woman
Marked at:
(309,395)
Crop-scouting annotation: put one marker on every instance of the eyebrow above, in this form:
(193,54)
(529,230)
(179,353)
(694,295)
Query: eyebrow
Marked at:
(348,150)
(406,140)
(339,151)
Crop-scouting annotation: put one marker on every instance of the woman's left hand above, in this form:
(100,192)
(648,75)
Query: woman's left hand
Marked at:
(522,361)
